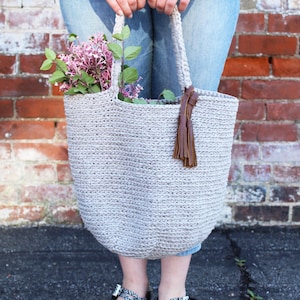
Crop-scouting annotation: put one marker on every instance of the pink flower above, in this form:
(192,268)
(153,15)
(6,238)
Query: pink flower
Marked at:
(92,57)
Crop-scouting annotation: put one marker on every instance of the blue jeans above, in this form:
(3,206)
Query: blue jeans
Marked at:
(208,27)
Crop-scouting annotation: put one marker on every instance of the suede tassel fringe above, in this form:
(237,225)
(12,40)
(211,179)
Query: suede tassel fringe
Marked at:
(185,144)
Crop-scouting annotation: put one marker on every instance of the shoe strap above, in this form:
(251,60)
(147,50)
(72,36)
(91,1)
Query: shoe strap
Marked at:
(126,294)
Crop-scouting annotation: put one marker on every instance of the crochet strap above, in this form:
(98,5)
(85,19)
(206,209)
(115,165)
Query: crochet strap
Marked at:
(181,61)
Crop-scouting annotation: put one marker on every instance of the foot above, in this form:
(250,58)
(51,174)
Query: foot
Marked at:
(126,294)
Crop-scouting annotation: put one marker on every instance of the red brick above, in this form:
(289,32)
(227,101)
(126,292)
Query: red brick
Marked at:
(281,153)
(250,110)
(23,86)
(270,89)
(64,173)
(7,63)
(283,111)
(66,215)
(246,66)
(267,44)
(27,129)
(261,213)
(261,173)
(56,91)
(234,173)
(48,193)
(2,19)
(237,130)
(61,130)
(269,132)
(10,172)
(21,214)
(251,22)
(23,42)
(288,174)
(37,108)
(284,194)
(296,214)
(31,64)
(286,23)
(6,108)
(245,152)
(34,18)
(40,151)
(5,151)
(248,193)
(8,193)
(233,47)
(230,87)
(58,42)
(40,172)
(286,67)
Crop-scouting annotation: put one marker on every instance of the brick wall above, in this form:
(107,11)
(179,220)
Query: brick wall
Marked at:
(263,70)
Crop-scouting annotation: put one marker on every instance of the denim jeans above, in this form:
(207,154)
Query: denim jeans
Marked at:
(208,28)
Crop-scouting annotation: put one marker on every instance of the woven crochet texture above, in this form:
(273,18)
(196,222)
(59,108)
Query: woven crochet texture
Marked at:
(132,195)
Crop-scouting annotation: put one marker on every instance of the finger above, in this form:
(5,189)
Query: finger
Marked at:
(152,3)
(133,5)
(183,4)
(141,4)
(115,7)
(120,7)
(169,6)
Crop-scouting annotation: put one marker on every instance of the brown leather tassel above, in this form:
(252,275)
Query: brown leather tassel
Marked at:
(185,145)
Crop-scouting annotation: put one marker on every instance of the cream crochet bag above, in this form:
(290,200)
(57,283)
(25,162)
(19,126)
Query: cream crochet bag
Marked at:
(133,196)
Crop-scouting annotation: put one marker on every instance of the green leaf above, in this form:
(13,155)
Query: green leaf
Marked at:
(118,36)
(50,54)
(46,65)
(116,50)
(139,101)
(128,100)
(61,65)
(130,75)
(57,76)
(125,32)
(168,95)
(85,77)
(80,89)
(95,88)
(132,52)
(72,37)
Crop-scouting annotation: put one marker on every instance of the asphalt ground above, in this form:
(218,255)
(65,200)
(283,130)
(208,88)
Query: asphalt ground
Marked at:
(62,263)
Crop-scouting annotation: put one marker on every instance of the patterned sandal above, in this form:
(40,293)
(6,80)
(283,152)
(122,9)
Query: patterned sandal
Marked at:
(182,298)
(129,295)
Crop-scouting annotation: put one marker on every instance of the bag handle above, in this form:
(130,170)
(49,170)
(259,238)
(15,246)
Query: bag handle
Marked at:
(184,145)
(183,70)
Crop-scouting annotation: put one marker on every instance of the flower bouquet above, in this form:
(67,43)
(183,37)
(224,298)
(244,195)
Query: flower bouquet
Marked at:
(87,66)
(134,197)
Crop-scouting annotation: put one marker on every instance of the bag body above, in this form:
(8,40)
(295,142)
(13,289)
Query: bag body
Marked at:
(132,195)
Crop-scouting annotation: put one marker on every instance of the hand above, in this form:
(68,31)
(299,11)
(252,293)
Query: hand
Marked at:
(167,6)
(126,7)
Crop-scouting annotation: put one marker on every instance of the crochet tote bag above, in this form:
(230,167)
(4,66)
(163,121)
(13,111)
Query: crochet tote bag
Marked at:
(133,196)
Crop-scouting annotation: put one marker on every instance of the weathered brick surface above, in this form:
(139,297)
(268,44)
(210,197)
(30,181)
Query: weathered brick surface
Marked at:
(262,70)
(262,213)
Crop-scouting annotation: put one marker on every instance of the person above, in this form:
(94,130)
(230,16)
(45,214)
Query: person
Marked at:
(208,28)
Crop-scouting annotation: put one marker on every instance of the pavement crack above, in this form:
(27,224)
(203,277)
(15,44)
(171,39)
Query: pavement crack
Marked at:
(247,283)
